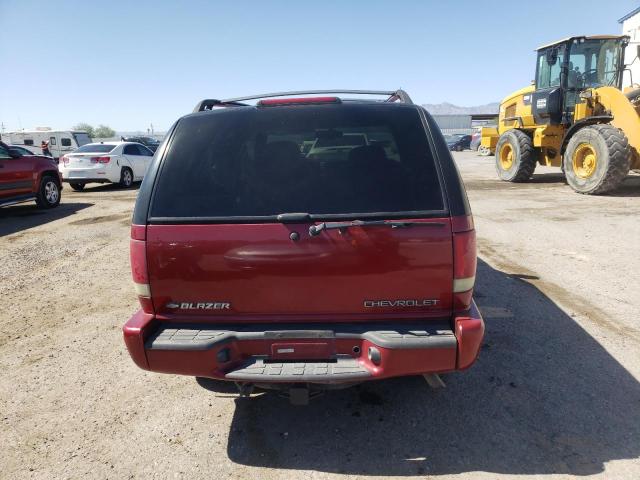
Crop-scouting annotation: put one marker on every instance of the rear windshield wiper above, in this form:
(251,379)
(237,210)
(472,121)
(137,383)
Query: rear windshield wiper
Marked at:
(342,226)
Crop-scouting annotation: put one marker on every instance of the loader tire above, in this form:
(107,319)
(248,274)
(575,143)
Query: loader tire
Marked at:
(515,156)
(597,159)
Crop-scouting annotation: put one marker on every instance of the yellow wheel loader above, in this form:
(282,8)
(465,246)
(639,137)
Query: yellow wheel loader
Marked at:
(574,116)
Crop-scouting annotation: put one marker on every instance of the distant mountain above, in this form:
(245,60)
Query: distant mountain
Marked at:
(450,109)
(139,133)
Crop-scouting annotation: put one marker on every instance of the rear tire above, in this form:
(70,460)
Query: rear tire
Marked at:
(515,156)
(126,177)
(597,159)
(48,192)
(78,187)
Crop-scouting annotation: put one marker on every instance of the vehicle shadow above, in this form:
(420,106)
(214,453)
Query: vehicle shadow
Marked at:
(16,218)
(630,187)
(547,178)
(105,187)
(544,397)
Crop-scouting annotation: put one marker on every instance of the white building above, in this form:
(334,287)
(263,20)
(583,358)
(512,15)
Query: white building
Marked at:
(631,26)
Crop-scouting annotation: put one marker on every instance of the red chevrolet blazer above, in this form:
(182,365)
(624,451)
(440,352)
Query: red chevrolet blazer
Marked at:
(303,242)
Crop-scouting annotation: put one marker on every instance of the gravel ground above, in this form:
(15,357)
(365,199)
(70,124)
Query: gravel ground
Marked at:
(555,391)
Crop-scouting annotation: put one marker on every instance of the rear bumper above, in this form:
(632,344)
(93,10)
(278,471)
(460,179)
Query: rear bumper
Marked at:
(87,180)
(103,174)
(324,354)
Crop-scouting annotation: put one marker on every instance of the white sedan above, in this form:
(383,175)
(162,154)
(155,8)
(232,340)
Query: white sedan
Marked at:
(107,162)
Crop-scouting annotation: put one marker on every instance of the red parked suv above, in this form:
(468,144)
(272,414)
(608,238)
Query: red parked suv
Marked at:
(28,177)
(304,242)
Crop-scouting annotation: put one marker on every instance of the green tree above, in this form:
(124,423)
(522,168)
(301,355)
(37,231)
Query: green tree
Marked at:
(103,131)
(85,127)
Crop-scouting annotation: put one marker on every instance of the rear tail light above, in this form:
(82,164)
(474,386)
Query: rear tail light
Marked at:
(464,261)
(65,160)
(139,267)
(100,159)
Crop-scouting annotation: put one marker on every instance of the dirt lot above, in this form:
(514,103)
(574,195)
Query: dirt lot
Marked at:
(555,392)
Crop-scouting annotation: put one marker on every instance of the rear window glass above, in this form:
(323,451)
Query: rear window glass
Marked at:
(95,148)
(356,160)
(344,140)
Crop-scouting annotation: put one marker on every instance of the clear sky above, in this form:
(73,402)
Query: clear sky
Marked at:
(131,63)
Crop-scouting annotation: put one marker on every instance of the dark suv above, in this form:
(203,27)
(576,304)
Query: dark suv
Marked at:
(304,242)
(458,142)
(149,142)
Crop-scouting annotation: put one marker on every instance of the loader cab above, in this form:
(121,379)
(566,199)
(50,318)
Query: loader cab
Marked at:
(566,68)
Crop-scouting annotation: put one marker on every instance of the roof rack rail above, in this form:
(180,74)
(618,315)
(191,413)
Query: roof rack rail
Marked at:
(209,104)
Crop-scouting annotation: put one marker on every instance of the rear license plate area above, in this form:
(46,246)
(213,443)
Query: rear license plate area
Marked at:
(302,350)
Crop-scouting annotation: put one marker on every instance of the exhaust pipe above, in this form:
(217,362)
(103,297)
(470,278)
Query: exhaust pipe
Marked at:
(434,380)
